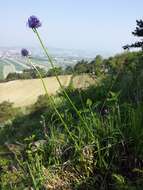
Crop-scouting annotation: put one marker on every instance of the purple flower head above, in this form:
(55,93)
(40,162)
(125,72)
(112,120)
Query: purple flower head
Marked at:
(24,52)
(34,22)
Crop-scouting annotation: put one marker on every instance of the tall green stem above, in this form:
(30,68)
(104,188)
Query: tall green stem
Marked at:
(51,99)
(65,93)
(110,88)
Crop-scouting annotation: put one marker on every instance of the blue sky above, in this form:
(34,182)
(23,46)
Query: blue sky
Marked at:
(97,25)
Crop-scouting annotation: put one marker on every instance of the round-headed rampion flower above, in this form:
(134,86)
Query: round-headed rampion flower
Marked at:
(24,52)
(34,22)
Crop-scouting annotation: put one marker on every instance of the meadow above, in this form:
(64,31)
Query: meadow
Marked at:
(84,137)
(26,92)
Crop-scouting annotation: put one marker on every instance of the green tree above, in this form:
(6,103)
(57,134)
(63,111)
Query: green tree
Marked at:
(96,65)
(27,74)
(31,73)
(56,70)
(81,67)
(138,33)
(68,70)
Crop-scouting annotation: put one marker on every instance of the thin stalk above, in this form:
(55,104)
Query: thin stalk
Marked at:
(32,177)
(65,93)
(110,88)
(51,99)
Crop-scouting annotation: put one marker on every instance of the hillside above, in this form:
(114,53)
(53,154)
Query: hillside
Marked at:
(71,146)
(26,92)
(18,64)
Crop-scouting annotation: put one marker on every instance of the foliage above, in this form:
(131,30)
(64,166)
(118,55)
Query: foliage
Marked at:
(81,67)
(53,71)
(95,67)
(119,129)
(138,33)
(7,111)
(112,110)
(68,70)
(26,74)
(96,140)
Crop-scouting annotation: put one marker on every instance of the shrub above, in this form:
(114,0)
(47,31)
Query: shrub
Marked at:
(7,111)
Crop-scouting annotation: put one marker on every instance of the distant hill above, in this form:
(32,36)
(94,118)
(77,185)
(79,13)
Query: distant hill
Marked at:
(11,60)
(10,65)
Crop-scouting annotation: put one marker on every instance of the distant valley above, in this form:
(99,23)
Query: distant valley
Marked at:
(11,60)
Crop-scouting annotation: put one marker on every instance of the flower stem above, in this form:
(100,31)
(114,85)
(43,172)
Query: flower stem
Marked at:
(51,100)
(65,93)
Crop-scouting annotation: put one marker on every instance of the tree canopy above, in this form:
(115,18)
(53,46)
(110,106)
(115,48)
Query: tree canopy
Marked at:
(138,33)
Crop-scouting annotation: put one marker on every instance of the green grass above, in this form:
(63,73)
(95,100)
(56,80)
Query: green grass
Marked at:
(108,156)
(102,151)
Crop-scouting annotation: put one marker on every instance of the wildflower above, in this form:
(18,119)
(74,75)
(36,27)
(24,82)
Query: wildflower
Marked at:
(24,52)
(34,22)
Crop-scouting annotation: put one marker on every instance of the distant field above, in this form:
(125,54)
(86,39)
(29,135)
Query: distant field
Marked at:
(9,65)
(1,71)
(26,92)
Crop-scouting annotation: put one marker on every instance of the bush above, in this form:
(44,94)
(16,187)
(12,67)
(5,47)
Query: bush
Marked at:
(7,111)
(26,74)
(54,71)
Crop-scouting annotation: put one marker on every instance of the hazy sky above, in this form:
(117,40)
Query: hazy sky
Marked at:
(98,25)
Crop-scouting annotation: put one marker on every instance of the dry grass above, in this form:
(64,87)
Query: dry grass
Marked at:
(25,92)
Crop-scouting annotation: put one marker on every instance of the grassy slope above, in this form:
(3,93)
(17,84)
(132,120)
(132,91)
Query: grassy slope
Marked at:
(25,92)
(103,150)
